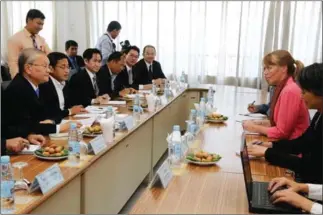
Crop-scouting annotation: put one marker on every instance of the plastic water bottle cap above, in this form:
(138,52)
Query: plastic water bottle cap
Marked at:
(176,128)
(109,108)
(203,99)
(136,108)
(5,159)
(73,125)
(193,111)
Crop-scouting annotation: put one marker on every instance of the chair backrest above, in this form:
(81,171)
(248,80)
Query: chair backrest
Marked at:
(4,85)
(5,74)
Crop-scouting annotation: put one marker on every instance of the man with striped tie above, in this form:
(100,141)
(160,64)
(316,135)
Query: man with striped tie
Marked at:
(83,86)
(27,38)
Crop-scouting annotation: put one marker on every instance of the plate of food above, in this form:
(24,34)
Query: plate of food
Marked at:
(216,118)
(93,130)
(52,152)
(203,158)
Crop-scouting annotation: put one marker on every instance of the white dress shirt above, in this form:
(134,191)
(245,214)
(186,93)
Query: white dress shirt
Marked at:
(315,192)
(59,90)
(91,74)
(141,87)
(130,76)
(105,45)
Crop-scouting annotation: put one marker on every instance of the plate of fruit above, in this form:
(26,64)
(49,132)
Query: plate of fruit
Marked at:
(52,152)
(216,118)
(93,130)
(203,158)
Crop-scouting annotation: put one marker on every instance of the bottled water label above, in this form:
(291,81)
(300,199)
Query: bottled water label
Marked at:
(74,147)
(178,151)
(7,189)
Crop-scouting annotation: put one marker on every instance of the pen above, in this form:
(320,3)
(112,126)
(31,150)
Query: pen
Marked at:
(257,143)
(253,103)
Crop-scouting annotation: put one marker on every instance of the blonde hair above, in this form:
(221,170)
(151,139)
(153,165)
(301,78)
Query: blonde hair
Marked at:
(284,58)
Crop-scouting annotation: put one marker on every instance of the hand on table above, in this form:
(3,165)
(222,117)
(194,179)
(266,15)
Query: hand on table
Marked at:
(16,144)
(36,139)
(257,150)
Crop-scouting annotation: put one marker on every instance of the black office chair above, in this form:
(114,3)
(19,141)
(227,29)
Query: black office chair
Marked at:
(5,74)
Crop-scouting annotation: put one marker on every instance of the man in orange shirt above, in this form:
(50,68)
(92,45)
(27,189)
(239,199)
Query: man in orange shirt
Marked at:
(27,38)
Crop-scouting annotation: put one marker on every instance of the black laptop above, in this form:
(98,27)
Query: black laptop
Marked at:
(257,193)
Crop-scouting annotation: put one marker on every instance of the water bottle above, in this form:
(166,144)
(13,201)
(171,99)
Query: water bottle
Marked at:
(154,89)
(182,81)
(7,186)
(175,148)
(109,113)
(201,114)
(210,98)
(73,145)
(83,146)
(193,115)
(136,114)
(189,135)
(136,100)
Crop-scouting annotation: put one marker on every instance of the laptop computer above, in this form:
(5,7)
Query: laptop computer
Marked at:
(257,193)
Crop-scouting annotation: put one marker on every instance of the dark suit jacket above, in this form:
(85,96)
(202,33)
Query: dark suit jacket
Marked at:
(124,78)
(80,89)
(142,76)
(49,96)
(79,62)
(22,110)
(104,83)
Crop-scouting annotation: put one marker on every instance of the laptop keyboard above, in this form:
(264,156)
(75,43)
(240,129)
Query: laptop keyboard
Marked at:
(260,195)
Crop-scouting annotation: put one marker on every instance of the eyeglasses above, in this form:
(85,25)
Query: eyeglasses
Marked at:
(63,67)
(44,66)
(133,56)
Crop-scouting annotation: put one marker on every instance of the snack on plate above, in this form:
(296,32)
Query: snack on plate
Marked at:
(94,129)
(202,156)
(52,151)
(216,116)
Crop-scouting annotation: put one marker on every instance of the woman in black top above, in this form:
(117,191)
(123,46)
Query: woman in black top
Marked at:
(284,152)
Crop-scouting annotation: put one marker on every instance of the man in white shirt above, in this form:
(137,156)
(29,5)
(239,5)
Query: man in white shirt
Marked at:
(105,43)
(291,196)
(54,92)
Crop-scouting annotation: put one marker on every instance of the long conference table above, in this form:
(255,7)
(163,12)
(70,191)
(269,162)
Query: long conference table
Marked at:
(103,183)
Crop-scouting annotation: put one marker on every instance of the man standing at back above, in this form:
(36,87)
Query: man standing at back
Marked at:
(105,43)
(27,38)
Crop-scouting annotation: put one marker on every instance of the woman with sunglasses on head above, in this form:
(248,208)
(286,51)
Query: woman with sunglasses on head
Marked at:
(289,117)
(283,153)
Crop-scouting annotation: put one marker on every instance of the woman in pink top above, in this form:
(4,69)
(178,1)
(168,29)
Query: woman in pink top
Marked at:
(289,117)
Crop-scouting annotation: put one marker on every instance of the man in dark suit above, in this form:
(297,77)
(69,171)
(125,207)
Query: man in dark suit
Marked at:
(75,61)
(83,86)
(54,92)
(109,79)
(147,70)
(23,111)
(131,58)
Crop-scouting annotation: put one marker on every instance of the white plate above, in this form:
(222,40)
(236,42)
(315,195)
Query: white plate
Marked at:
(91,135)
(202,163)
(51,158)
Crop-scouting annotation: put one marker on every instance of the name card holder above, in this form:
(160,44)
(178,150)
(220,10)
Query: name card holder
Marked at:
(97,145)
(47,180)
(163,176)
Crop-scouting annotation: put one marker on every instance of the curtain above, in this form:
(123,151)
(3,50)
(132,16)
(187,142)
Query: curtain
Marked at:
(220,42)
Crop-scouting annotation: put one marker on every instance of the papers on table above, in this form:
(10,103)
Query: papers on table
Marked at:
(253,115)
(145,91)
(95,109)
(84,122)
(116,103)
(30,150)
(87,115)
(132,96)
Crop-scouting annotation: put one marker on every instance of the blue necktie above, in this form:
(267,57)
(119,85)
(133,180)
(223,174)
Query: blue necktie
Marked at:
(37,92)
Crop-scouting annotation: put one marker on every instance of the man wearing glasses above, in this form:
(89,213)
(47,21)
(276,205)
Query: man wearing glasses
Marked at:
(131,58)
(54,93)
(23,111)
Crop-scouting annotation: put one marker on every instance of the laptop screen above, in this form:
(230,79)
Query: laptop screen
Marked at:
(246,167)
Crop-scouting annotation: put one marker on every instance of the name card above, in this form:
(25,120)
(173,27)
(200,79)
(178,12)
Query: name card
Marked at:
(97,144)
(163,175)
(47,180)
